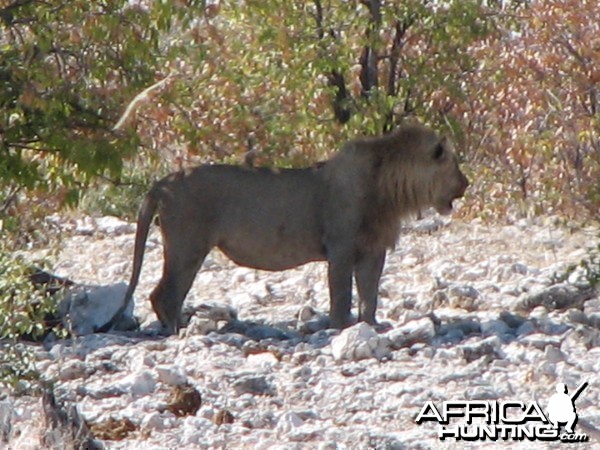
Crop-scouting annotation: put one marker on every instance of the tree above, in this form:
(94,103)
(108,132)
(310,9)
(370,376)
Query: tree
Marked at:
(532,109)
(66,71)
(290,80)
(286,82)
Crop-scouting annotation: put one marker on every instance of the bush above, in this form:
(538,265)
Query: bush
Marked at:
(514,83)
(122,198)
(23,307)
(24,310)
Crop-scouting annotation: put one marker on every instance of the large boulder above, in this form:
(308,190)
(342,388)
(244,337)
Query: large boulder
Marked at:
(358,342)
(85,309)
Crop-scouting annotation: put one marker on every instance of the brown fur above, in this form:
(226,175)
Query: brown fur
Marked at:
(345,211)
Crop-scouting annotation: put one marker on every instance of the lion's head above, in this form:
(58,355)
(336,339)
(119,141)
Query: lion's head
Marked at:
(412,169)
(418,169)
(446,180)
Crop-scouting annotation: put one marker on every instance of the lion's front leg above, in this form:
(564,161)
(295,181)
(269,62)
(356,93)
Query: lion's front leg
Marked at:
(367,273)
(340,291)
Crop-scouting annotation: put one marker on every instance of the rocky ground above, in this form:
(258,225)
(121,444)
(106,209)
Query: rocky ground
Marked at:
(473,312)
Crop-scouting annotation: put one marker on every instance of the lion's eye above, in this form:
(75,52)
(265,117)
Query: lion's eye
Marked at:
(439,151)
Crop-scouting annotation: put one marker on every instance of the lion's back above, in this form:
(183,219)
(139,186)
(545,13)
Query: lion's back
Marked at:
(250,213)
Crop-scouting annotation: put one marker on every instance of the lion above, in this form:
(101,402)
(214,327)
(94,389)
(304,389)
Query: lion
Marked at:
(345,211)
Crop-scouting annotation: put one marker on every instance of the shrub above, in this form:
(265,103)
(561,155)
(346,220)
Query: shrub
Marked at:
(24,310)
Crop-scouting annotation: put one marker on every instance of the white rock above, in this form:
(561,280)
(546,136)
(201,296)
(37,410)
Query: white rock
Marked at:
(362,350)
(86,310)
(592,307)
(474,274)
(306,313)
(430,224)
(445,270)
(464,291)
(476,348)
(61,350)
(242,301)
(206,412)
(420,330)
(138,384)
(328,445)
(540,313)
(310,320)
(264,360)
(140,360)
(195,430)
(255,385)
(217,311)
(170,375)
(199,326)
(553,354)
(71,370)
(289,421)
(519,268)
(359,342)
(85,226)
(495,327)
(154,421)
(113,226)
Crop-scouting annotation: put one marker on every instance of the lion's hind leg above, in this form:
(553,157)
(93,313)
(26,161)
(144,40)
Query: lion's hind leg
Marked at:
(179,271)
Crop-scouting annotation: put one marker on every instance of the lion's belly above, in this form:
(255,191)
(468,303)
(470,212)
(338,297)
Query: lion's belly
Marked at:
(271,262)
(272,248)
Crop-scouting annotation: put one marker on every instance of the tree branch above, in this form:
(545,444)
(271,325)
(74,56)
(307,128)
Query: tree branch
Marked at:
(11,197)
(335,78)
(138,100)
(369,74)
(342,97)
(6,13)
(398,42)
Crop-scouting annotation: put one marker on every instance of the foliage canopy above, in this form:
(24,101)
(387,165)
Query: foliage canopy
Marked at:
(513,82)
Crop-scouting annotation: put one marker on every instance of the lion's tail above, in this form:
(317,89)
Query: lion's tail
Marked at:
(145,216)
